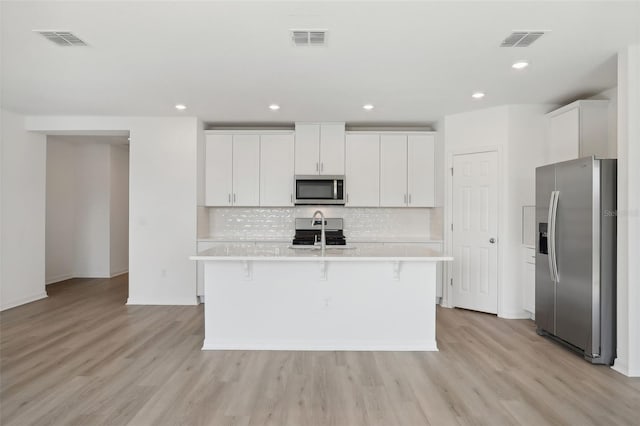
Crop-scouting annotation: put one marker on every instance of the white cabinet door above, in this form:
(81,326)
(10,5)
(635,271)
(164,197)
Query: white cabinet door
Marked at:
(393,170)
(363,170)
(276,170)
(529,280)
(564,136)
(218,170)
(332,149)
(420,170)
(307,149)
(246,170)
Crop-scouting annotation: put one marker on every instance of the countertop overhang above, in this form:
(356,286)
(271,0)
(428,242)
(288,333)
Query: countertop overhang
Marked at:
(358,253)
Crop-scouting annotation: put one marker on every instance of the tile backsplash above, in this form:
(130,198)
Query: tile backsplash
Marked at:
(278,223)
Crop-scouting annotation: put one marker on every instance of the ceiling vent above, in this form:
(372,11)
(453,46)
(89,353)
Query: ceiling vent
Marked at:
(521,38)
(61,38)
(309,37)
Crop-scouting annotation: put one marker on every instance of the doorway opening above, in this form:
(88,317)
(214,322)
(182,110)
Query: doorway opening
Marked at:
(87,207)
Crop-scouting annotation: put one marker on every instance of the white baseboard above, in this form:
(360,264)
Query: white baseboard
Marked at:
(309,346)
(117,274)
(515,315)
(23,301)
(58,278)
(622,368)
(186,301)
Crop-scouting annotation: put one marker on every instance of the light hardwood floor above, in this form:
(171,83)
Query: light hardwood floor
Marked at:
(81,357)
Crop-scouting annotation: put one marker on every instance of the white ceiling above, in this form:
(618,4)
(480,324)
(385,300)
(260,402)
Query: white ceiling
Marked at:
(227,61)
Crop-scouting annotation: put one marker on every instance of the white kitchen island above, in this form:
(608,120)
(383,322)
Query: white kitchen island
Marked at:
(272,297)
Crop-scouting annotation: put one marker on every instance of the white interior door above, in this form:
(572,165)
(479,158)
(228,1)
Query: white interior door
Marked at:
(475,226)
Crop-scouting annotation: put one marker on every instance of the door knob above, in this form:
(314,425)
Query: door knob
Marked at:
(492,240)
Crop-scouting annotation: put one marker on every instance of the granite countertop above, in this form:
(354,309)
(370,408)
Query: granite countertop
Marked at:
(356,252)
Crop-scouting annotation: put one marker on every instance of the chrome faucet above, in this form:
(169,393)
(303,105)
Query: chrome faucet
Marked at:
(323,240)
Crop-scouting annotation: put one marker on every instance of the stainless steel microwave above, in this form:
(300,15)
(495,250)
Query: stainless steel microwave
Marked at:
(319,189)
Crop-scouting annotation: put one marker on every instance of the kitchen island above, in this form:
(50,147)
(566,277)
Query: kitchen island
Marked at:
(272,297)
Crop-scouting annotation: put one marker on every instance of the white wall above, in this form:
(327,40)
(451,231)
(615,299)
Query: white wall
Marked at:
(162,222)
(22,212)
(162,214)
(517,132)
(92,210)
(119,210)
(611,95)
(525,151)
(628,267)
(60,211)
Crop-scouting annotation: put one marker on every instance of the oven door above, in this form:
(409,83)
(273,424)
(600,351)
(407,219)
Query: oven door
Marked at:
(319,190)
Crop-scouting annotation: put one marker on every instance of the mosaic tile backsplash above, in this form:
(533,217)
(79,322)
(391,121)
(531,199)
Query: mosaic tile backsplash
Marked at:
(278,223)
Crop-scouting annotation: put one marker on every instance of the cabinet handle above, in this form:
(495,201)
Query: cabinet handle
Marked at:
(409,198)
(322,167)
(347,200)
(234,197)
(291,198)
(229,198)
(405,198)
(317,167)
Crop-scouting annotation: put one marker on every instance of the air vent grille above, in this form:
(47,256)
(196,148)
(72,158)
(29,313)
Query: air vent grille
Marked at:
(62,38)
(309,37)
(521,38)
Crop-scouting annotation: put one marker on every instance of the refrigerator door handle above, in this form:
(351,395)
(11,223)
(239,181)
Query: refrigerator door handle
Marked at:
(550,235)
(552,225)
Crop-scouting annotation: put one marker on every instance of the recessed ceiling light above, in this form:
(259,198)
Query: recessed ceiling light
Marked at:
(181,107)
(274,107)
(478,95)
(368,107)
(520,65)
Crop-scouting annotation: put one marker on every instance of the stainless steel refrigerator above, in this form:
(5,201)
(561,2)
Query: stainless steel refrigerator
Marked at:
(576,255)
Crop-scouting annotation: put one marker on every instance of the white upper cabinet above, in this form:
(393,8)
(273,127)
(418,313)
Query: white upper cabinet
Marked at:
(276,170)
(407,170)
(420,171)
(246,170)
(232,170)
(218,170)
(362,170)
(393,170)
(307,149)
(579,130)
(332,149)
(319,149)
(382,169)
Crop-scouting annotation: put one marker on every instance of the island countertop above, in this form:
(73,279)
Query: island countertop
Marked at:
(269,251)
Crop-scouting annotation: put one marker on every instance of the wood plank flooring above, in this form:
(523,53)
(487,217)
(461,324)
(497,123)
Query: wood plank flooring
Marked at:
(81,357)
